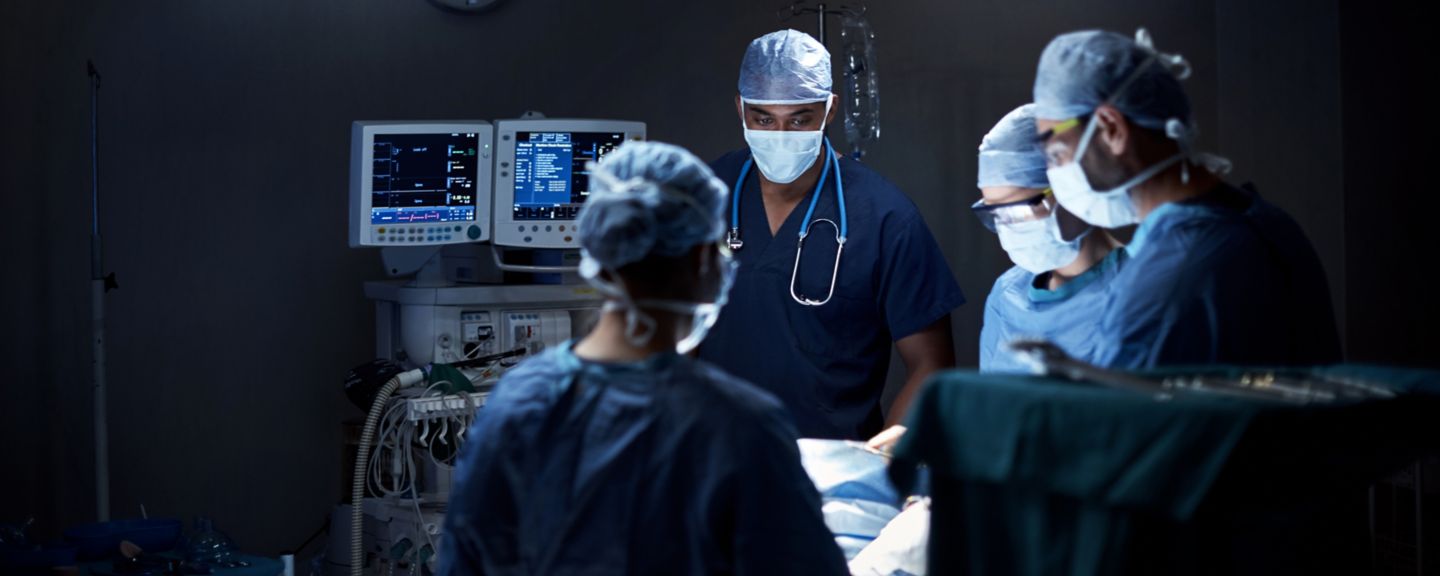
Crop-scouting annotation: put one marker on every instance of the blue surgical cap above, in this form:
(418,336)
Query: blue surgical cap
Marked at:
(785,67)
(1010,154)
(1080,71)
(648,199)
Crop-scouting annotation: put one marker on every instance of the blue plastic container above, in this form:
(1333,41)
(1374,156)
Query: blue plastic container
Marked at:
(102,539)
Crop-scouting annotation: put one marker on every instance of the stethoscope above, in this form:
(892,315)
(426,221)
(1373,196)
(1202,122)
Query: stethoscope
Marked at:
(842,231)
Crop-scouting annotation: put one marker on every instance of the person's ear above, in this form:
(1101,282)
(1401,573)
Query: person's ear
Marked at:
(740,110)
(1112,130)
(834,108)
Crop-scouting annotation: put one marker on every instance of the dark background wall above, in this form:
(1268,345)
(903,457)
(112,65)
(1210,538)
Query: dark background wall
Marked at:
(1388,86)
(224,172)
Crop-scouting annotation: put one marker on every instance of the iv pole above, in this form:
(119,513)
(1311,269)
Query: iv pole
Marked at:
(100,283)
(820,10)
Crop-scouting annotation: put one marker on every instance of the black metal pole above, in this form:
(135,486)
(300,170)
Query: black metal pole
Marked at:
(97,307)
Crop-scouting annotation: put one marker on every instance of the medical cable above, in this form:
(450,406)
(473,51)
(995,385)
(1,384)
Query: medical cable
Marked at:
(362,460)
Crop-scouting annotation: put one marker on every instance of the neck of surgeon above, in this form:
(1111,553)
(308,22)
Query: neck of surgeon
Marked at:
(607,342)
(1093,248)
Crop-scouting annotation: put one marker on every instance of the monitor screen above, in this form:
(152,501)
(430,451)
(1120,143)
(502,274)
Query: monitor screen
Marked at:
(541,181)
(418,178)
(551,182)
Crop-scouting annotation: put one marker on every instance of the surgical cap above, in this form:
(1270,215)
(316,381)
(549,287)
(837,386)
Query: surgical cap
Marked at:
(785,67)
(648,198)
(1080,71)
(1010,155)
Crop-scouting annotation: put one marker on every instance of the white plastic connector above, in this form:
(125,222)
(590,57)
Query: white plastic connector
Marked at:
(411,378)
(419,409)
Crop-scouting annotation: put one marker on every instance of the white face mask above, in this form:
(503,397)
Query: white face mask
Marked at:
(1111,208)
(783,155)
(1036,245)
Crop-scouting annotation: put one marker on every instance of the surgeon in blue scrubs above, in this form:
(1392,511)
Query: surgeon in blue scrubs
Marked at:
(1215,274)
(620,453)
(1063,267)
(808,321)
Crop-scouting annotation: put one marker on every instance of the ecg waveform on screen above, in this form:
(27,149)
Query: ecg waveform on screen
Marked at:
(418,217)
(423,177)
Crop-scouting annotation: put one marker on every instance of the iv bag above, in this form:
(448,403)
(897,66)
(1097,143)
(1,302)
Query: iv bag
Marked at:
(861,104)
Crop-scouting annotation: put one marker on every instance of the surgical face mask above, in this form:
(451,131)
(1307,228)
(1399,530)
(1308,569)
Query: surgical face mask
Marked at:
(782,155)
(1036,245)
(1110,209)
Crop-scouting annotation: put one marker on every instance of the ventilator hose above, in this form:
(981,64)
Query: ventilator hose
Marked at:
(362,460)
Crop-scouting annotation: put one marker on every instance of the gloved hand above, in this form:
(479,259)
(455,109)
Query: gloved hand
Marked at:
(886,439)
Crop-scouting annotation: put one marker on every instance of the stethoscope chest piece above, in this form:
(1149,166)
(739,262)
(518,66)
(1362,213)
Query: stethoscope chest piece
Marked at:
(732,238)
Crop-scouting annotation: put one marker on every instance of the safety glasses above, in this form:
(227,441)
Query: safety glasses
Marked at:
(992,215)
(1061,128)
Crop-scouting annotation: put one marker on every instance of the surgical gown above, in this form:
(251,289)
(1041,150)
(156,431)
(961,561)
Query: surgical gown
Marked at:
(1222,278)
(666,466)
(828,363)
(1069,316)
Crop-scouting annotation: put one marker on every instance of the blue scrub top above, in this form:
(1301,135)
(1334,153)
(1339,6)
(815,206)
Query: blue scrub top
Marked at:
(1068,316)
(828,363)
(666,466)
(1223,278)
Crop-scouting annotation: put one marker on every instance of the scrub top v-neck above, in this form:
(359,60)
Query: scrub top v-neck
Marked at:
(828,363)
